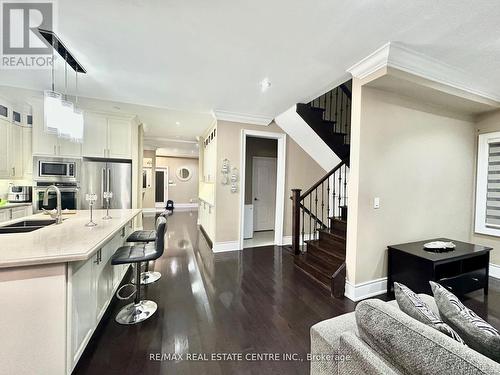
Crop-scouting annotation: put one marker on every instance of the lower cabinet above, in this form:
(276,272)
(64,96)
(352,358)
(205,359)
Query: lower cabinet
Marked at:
(7,214)
(92,284)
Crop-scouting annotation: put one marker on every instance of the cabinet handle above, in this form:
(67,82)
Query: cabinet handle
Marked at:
(59,148)
(13,171)
(55,150)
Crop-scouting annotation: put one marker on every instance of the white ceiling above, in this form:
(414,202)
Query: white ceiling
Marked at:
(198,56)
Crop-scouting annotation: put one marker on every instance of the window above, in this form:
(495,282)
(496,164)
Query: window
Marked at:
(488,185)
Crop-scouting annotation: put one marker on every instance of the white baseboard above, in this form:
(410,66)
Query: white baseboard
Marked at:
(185,206)
(177,206)
(357,292)
(219,247)
(494,271)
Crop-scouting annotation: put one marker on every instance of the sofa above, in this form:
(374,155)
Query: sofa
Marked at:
(378,338)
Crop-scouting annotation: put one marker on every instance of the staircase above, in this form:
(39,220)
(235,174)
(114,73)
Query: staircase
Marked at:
(319,222)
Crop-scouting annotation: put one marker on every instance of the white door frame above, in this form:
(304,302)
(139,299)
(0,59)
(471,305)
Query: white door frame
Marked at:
(280,181)
(165,184)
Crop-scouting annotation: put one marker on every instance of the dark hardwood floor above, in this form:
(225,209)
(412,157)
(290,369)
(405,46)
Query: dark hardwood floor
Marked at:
(254,301)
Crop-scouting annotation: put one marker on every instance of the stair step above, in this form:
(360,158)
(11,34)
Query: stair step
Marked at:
(327,252)
(318,272)
(338,224)
(332,237)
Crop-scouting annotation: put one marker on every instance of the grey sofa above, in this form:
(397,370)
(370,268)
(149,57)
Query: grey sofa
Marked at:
(378,338)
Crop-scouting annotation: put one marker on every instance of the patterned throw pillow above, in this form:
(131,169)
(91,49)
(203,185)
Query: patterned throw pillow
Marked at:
(478,334)
(411,304)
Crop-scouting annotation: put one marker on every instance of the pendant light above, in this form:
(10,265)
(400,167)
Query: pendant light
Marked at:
(52,102)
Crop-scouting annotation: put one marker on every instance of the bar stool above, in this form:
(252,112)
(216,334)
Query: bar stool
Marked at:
(145,236)
(140,309)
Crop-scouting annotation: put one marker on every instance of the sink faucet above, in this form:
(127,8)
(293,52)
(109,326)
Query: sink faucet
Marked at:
(58,197)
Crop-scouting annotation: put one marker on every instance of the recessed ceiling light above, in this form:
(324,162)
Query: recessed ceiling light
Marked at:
(265,84)
(177,123)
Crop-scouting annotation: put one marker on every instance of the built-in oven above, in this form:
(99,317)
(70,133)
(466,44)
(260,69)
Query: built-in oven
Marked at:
(56,169)
(70,199)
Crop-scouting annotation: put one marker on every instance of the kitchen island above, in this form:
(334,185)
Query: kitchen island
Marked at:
(55,285)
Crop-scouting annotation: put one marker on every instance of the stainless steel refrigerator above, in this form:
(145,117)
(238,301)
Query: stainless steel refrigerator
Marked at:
(100,175)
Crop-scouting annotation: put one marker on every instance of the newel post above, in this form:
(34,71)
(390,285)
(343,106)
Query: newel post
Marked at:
(296,220)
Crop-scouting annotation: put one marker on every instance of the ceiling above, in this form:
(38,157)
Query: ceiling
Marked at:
(199,56)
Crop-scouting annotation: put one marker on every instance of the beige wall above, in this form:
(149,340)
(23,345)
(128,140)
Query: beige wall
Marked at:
(419,163)
(301,171)
(179,191)
(263,147)
(487,124)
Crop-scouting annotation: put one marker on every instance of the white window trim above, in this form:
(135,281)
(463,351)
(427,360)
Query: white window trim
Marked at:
(482,184)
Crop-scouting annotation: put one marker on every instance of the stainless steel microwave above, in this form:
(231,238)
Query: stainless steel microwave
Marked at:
(56,169)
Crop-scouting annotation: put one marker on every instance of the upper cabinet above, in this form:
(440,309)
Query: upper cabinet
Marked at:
(107,137)
(11,149)
(47,144)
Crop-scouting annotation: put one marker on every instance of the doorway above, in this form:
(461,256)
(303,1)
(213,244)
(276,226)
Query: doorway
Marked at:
(262,185)
(161,187)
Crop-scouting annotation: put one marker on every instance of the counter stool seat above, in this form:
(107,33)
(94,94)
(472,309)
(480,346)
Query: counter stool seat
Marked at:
(140,309)
(142,236)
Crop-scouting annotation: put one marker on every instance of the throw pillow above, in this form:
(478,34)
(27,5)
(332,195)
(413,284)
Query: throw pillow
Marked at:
(411,304)
(477,334)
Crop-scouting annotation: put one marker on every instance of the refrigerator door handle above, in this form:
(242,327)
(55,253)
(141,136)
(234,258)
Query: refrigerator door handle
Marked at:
(103,186)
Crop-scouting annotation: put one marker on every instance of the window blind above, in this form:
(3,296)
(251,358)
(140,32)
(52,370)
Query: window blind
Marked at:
(493,192)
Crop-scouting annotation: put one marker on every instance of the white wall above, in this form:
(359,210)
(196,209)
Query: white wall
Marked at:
(419,163)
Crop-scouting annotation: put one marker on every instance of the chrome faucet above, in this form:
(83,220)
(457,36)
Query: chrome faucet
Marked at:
(58,216)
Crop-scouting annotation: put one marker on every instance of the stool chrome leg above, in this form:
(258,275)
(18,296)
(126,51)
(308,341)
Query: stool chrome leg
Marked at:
(139,310)
(148,277)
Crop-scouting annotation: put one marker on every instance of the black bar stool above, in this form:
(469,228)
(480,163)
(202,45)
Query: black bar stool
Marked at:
(145,236)
(139,310)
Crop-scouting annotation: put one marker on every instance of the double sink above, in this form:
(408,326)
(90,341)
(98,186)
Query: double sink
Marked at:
(25,226)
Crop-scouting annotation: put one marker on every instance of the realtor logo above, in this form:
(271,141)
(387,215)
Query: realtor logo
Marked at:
(22,45)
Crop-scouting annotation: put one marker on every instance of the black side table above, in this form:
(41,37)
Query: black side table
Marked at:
(462,270)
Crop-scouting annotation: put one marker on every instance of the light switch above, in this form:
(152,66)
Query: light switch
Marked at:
(376,202)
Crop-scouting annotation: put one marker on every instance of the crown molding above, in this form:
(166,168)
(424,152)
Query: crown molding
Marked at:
(397,56)
(242,117)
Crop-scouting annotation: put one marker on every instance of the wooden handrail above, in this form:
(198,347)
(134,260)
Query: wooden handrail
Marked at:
(346,90)
(323,179)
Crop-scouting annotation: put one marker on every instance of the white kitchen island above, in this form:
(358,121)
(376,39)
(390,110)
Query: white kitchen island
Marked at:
(55,285)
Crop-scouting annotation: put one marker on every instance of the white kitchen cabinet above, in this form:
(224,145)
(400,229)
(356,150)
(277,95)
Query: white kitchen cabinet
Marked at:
(27,151)
(119,139)
(4,148)
(95,135)
(107,137)
(20,212)
(93,283)
(47,144)
(16,151)
(4,215)
(83,302)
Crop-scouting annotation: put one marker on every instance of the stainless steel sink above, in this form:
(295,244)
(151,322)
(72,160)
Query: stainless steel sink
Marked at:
(25,226)
(30,223)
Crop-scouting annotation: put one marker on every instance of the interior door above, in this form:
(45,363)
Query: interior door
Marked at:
(161,187)
(264,192)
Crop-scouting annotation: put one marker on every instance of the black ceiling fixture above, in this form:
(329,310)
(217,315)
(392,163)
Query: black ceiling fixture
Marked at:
(61,49)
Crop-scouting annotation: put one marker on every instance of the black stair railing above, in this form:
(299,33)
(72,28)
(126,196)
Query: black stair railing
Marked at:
(336,104)
(312,209)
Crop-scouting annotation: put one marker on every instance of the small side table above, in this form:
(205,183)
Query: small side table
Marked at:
(462,270)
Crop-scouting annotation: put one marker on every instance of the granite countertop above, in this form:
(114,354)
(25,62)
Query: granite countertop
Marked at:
(66,242)
(13,205)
